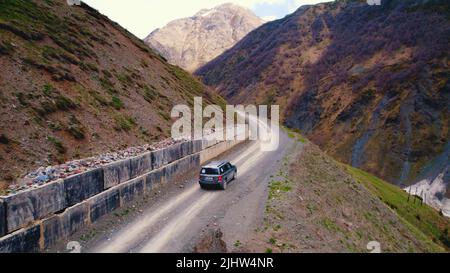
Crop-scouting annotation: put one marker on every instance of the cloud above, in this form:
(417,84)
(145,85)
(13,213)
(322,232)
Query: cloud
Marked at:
(143,16)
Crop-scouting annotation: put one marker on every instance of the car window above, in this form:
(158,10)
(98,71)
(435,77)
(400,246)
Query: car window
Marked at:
(209,171)
(229,166)
(222,170)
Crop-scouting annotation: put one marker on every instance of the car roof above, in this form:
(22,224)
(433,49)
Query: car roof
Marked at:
(215,164)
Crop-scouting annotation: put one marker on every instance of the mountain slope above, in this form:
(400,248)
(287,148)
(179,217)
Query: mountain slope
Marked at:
(369,84)
(74,84)
(194,41)
(316,204)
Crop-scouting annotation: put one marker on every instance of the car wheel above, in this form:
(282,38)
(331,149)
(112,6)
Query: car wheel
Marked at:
(234,176)
(203,187)
(223,186)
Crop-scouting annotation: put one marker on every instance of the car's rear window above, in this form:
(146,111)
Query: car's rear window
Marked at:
(209,171)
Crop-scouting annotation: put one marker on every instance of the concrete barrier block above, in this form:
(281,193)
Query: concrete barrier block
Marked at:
(191,163)
(157,159)
(171,170)
(194,162)
(230,144)
(168,154)
(204,144)
(154,179)
(116,173)
(140,165)
(103,204)
(197,146)
(61,226)
(22,241)
(212,152)
(82,186)
(172,153)
(131,190)
(184,165)
(2,218)
(208,143)
(53,231)
(186,148)
(34,204)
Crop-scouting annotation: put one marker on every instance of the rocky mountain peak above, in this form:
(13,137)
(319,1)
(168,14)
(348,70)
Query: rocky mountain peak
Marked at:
(193,41)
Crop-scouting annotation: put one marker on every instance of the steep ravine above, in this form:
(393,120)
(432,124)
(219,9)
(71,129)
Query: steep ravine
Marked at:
(368,84)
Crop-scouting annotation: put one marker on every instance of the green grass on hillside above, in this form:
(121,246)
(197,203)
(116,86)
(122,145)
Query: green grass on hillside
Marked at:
(295,133)
(421,218)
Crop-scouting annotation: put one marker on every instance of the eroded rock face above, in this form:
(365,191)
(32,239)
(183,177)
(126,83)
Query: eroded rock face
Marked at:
(194,41)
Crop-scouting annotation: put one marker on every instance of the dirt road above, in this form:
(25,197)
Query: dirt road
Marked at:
(175,222)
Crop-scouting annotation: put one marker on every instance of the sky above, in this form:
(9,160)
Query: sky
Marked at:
(141,17)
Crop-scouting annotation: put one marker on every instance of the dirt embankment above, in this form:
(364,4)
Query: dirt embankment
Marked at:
(315,206)
(211,242)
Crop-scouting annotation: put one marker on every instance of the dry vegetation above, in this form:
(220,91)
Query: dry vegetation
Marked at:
(74,84)
(318,205)
(370,85)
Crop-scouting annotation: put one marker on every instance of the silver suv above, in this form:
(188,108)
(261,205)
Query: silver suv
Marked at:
(217,173)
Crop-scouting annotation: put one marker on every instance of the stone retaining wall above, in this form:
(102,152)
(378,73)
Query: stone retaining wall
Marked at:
(34,204)
(2,218)
(215,150)
(36,219)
